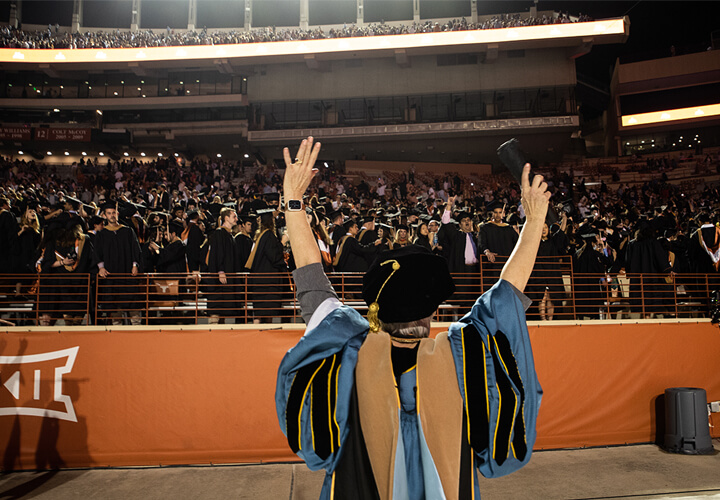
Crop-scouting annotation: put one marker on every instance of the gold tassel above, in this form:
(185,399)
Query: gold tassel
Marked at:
(372,315)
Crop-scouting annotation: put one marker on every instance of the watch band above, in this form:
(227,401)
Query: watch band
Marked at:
(294,205)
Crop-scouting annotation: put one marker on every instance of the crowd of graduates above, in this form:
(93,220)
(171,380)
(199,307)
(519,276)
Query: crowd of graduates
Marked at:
(54,38)
(211,220)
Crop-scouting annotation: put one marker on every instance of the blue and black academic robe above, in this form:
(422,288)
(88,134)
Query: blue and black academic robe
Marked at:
(468,404)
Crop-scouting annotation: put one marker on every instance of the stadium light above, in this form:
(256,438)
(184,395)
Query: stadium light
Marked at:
(604,31)
(20,153)
(142,154)
(219,155)
(678,114)
(246,155)
(67,154)
(56,110)
(160,155)
(126,153)
(101,153)
(49,153)
(84,153)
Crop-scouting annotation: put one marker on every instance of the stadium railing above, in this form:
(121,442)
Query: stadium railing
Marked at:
(247,298)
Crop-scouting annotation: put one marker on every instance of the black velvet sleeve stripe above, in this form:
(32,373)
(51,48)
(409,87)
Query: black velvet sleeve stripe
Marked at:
(296,397)
(475,385)
(519,443)
(334,427)
(354,478)
(507,407)
(320,411)
(466,464)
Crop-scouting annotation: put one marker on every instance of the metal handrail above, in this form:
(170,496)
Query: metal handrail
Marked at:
(164,298)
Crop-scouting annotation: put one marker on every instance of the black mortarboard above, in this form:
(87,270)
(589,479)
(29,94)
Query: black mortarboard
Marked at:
(463,215)
(174,226)
(590,235)
(60,221)
(109,204)
(386,228)
(406,284)
(366,220)
(33,205)
(402,226)
(349,224)
(73,201)
(493,205)
(89,209)
(334,215)
(127,208)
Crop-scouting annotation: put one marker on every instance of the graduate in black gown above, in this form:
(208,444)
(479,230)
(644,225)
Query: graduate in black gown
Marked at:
(646,255)
(222,264)
(546,282)
(26,256)
(590,263)
(118,260)
(269,280)
(496,240)
(8,245)
(460,248)
(703,252)
(422,236)
(193,237)
(243,239)
(243,249)
(351,255)
(172,258)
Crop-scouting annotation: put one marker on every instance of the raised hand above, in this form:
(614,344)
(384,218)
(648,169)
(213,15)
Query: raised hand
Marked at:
(299,173)
(535,196)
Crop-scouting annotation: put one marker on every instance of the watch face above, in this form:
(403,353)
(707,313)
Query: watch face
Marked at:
(294,205)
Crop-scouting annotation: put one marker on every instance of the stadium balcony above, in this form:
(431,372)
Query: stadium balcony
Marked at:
(405,87)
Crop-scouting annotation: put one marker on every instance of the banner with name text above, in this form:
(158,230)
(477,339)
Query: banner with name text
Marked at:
(63,134)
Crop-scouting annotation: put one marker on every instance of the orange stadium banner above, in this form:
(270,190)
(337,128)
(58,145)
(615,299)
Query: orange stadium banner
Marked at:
(91,397)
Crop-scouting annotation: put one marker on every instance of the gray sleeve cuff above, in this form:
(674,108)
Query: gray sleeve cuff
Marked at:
(523,298)
(313,288)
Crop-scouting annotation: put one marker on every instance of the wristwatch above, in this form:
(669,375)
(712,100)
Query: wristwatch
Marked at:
(293,205)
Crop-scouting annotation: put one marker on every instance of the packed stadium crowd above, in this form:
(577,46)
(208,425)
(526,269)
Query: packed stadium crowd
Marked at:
(214,219)
(53,38)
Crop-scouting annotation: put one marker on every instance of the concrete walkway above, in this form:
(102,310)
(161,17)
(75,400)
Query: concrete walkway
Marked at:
(632,472)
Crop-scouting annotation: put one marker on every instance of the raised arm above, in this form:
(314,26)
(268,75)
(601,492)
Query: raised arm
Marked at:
(535,198)
(298,174)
